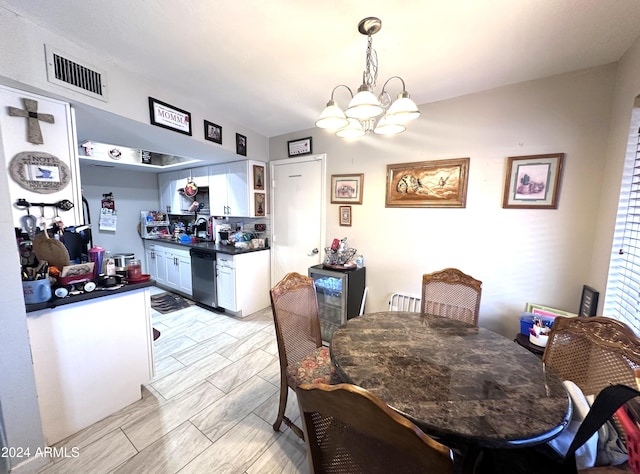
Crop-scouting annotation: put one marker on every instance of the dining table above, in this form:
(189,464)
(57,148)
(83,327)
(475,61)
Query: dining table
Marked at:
(464,385)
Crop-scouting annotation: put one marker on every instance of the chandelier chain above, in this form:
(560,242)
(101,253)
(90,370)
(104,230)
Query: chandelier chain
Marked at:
(370,75)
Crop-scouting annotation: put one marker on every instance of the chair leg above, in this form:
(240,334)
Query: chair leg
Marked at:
(284,394)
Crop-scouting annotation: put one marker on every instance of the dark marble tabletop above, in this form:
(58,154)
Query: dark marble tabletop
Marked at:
(459,383)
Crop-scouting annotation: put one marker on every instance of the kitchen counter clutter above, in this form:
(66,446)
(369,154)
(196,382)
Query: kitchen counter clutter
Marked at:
(85,296)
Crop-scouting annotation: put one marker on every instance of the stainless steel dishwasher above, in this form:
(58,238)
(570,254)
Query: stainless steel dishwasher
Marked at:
(203,277)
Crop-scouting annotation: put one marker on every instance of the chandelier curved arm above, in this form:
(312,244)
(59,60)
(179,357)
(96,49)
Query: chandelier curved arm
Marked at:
(341,85)
(385,98)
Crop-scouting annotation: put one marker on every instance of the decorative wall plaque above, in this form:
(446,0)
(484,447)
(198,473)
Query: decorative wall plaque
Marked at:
(39,172)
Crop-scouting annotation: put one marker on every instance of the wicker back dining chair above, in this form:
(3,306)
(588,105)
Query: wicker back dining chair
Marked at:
(302,356)
(593,352)
(349,430)
(452,294)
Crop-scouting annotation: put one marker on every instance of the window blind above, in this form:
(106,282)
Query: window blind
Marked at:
(622,297)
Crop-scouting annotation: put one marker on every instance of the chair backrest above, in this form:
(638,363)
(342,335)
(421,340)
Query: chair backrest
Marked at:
(404,302)
(347,429)
(452,294)
(593,352)
(295,314)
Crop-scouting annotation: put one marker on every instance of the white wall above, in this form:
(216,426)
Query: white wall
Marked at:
(127,123)
(133,192)
(540,256)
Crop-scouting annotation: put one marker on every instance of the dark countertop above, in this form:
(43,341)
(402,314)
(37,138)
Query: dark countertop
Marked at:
(462,384)
(95,294)
(206,246)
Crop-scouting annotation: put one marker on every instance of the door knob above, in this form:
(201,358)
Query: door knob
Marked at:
(313,252)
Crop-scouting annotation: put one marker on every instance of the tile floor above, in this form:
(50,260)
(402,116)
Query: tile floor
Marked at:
(209,408)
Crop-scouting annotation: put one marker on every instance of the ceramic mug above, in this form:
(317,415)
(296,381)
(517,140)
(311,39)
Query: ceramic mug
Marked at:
(36,291)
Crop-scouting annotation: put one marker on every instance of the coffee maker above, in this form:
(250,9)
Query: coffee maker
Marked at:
(223,231)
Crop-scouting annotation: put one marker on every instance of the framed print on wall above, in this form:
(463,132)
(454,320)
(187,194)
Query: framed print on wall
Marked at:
(258,177)
(439,183)
(345,215)
(259,203)
(212,132)
(533,182)
(169,117)
(347,188)
(241,144)
(299,147)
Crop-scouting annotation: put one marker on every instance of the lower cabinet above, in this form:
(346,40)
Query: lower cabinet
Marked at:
(242,282)
(169,266)
(178,265)
(155,264)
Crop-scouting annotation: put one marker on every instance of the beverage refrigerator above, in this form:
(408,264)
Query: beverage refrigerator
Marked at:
(339,295)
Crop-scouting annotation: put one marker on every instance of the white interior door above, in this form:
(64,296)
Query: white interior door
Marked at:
(298,188)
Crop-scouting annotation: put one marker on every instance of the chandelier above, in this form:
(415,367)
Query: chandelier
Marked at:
(365,111)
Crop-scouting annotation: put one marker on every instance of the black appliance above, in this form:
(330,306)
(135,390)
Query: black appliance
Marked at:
(203,278)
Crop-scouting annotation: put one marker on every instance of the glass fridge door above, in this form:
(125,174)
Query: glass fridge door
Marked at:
(331,304)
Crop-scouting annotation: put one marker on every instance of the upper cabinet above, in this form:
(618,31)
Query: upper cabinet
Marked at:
(236,189)
(170,184)
(232,189)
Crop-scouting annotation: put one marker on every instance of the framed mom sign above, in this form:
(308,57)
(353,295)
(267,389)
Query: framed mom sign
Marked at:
(169,117)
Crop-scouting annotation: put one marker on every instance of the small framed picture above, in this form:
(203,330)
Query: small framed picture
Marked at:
(299,147)
(345,215)
(258,177)
(259,203)
(533,182)
(212,132)
(588,301)
(347,188)
(241,144)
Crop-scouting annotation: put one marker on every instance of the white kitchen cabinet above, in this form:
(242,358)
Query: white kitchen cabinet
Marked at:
(178,266)
(169,266)
(155,262)
(231,190)
(166,186)
(200,176)
(242,282)
(170,199)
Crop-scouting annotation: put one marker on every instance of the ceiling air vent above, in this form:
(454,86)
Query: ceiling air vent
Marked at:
(73,75)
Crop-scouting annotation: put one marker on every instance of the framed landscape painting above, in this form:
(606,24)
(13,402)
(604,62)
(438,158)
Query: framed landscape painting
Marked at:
(440,183)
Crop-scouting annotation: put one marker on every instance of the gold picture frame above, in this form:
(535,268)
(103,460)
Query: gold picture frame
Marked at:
(345,215)
(260,203)
(438,183)
(347,188)
(258,177)
(533,182)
